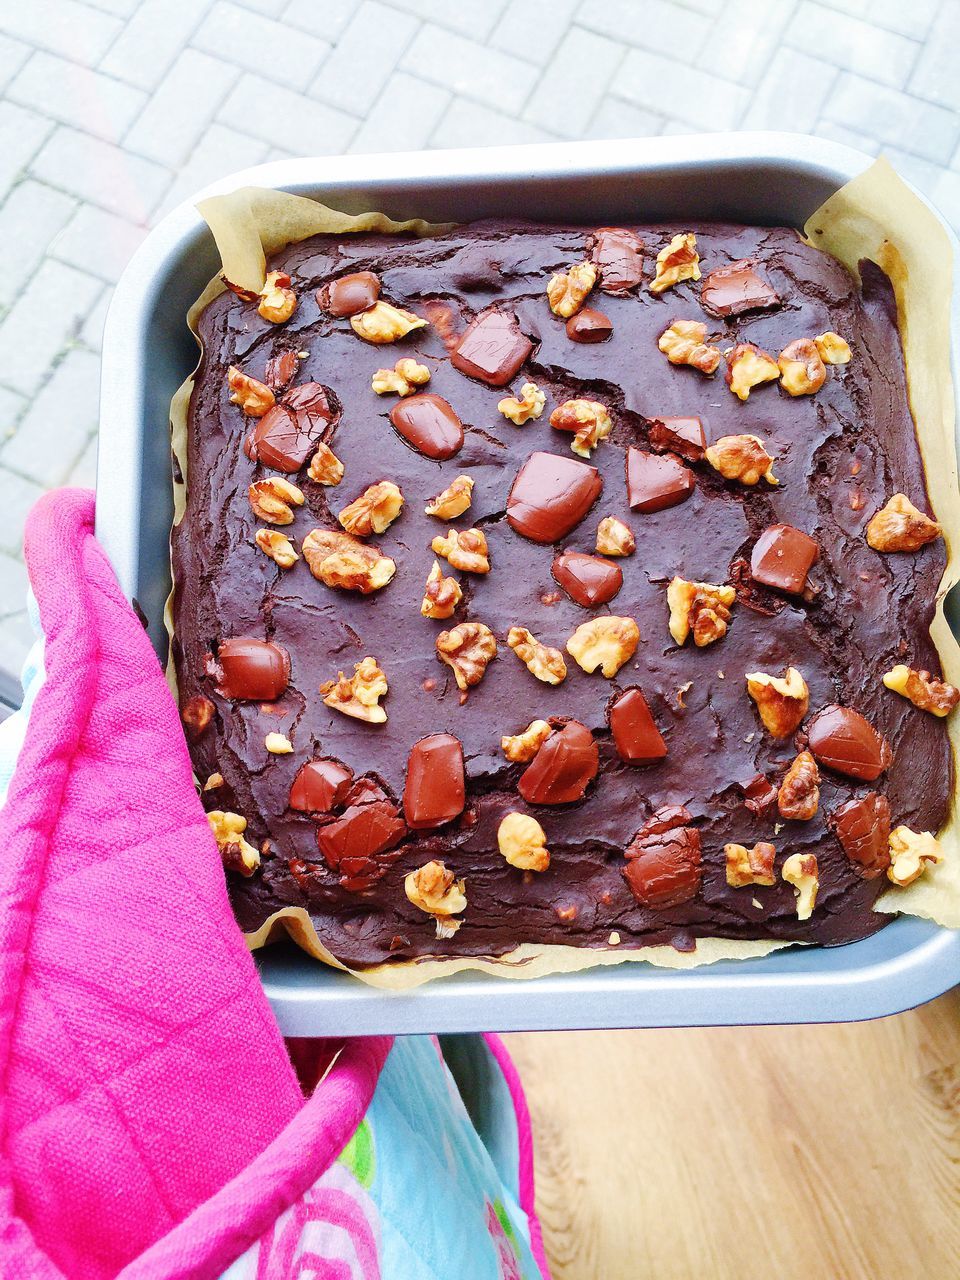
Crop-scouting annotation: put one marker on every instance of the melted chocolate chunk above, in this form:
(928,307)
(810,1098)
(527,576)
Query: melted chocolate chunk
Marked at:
(759,793)
(589,326)
(320,786)
(663,860)
(782,557)
(429,424)
(618,256)
(550,496)
(635,732)
(349,295)
(863,829)
(351,843)
(250,670)
(563,768)
(845,741)
(492,348)
(729,291)
(288,433)
(588,580)
(680,435)
(656,482)
(435,790)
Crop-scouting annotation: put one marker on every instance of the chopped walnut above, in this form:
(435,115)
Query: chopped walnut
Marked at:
(277,300)
(464,549)
(359,696)
(924,690)
(799,794)
(523,842)
(750,866)
(522,747)
(213,782)
(433,889)
(567,290)
(278,744)
(529,405)
(677,262)
(384,323)
(910,853)
(802,371)
(196,715)
(683,343)
(253,397)
(376,508)
(742,458)
(339,560)
(700,607)
(540,660)
(587,419)
(833,349)
(614,538)
(273,499)
(405,376)
(749,367)
(325,467)
(801,870)
(606,642)
(237,854)
(454,500)
(277,546)
(441,595)
(782,701)
(467,649)
(899,526)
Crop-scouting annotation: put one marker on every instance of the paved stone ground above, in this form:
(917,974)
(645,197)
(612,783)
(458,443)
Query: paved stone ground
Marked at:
(113,111)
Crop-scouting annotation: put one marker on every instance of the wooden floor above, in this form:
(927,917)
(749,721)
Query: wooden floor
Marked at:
(782,1153)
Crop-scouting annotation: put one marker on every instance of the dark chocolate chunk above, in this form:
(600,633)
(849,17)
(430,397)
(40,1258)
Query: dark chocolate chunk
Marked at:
(435,790)
(281,370)
(429,424)
(618,256)
(563,768)
(589,326)
(729,291)
(863,829)
(663,860)
(351,843)
(782,557)
(492,348)
(844,741)
(250,670)
(635,732)
(655,482)
(320,786)
(587,580)
(288,433)
(759,794)
(680,435)
(349,295)
(550,496)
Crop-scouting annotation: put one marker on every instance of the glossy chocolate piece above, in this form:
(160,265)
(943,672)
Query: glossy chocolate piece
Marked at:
(349,295)
(492,348)
(589,326)
(759,793)
(429,424)
(843,740)
(251,670)
(635,732)
(656,481)
(287,434)
(550,496)
(320,786)
(663,860)
(281,370)
(435,789)
(563,768)
(731,290)
(618,256)
(587,580)
(863,829)
(678,435)
(351,843)
(782,557)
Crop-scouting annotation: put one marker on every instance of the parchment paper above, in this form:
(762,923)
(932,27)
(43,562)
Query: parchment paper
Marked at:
(875,216)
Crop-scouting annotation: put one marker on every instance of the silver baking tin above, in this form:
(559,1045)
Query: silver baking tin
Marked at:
(759,177)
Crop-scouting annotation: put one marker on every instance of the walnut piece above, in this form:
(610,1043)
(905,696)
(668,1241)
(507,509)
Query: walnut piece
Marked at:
(567,290)
(196,715)
(910,854)
(375,510)
(540,660)
(742,458)
(454,500)
(799,794)
(523,842)
(750,866)
(782,701)
(606,642)
(899,526)
(614,538)
(384,323)
(749,367)
(338,560)
(253,397)
(802,371)
(683,343)
(277,546)
(213,782)
(833,349)
(273,499)
(587,419)
(237,854)
(467,649)
(359,696)
(441,595)
(325,467)
(522,747)
(405,376)
(924,690)
(278,744)
(801,870)
(433,889)
(277,300)
(529,405)
(464,549)
(700,607)
(677,262)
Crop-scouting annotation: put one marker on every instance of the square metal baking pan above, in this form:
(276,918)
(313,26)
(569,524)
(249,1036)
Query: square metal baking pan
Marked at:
(760,178)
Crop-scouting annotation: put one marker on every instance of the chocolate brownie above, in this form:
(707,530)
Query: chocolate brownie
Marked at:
(450,733)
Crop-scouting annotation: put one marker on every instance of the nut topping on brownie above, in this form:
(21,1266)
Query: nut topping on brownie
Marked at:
(749,367)
(684,342)
(529,405)
(924,690)
(677,262)
(899,526)
(567,290)
(587,419)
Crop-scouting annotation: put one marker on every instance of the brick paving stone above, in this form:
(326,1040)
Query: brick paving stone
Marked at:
(83,473)
(326,20)
(532,29)
(703,100)
(852,44)
(77,96)
(468,124)
(269,8)
(615,118)
(944,191)
(62,26)
(12,406)
(177,114)
(791,93)
(913,19)
(19,495)
(404,116)
(21,134)
(91,333)
(13,586)
(98,242)
(260,45)
(367,51)
(569,91)
(220,151)
(286,119)
(58,423)
(474,18)
(30,219)
(101,173)
(894,117)
(739,47)
(151,40)
(849,137)
(656,25)
(935,75)
(45,315)
(469,69)
(119,8)
(13,54)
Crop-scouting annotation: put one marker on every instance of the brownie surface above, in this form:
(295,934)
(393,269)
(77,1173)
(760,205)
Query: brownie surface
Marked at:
(839,455)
